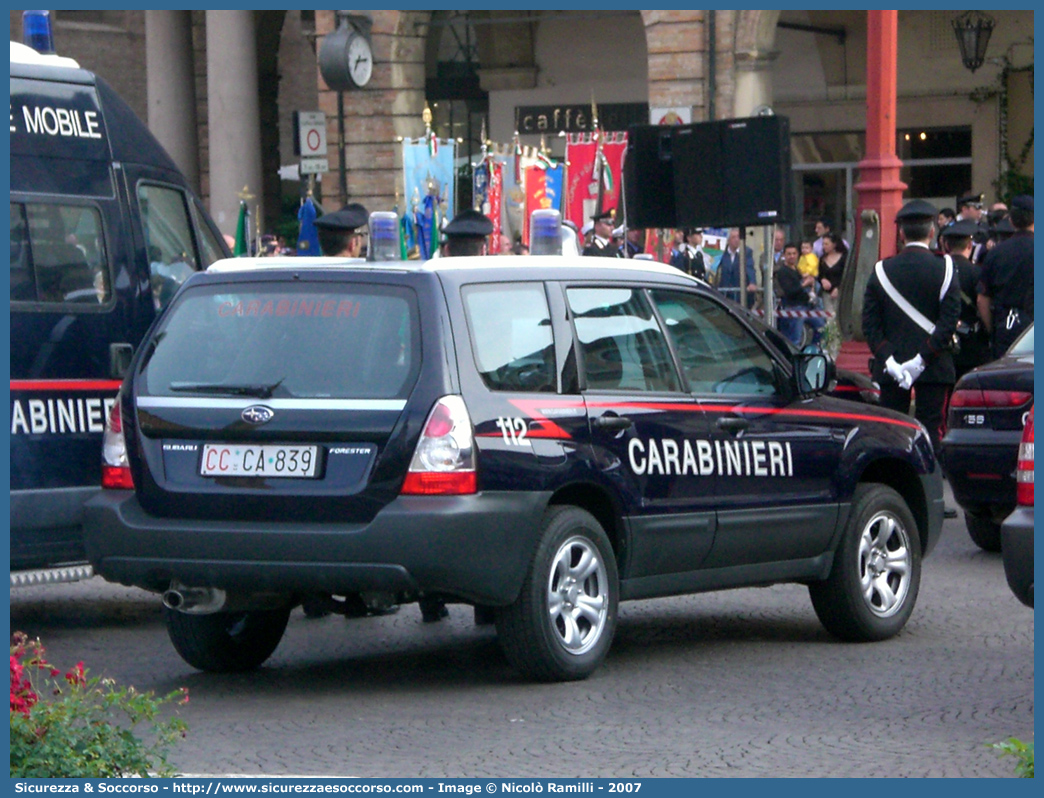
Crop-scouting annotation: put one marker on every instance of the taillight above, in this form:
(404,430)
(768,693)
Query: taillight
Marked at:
(1024,469)
(444,461)
(116,473)
(976,397)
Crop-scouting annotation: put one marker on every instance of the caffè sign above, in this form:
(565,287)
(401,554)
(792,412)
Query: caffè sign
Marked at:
(577,118)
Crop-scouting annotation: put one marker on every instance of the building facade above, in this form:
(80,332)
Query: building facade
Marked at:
(218,89)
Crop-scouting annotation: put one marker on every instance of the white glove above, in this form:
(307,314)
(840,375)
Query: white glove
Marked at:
(912,369)
(894,370)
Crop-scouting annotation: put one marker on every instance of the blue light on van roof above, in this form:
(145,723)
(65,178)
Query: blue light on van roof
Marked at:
(545,232)
(36,31)
(384,236)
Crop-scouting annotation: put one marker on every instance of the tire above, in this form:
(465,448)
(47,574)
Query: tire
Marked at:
(984,531)
(226,641)
(562,623)
(873,585)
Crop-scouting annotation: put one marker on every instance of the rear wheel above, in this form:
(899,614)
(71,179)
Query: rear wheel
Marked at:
(562,623)
(984,531)
(226,641)
(872,587)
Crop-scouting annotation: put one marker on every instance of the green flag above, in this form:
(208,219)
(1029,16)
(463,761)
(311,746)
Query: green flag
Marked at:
(242,246)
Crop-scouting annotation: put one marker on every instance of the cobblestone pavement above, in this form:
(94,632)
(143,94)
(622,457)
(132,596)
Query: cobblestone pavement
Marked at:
(740,683)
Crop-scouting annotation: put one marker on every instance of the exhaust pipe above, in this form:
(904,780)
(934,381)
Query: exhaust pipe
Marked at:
(193,600)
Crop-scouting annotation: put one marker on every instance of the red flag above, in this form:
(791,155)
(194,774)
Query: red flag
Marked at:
(582,192)
(495,198)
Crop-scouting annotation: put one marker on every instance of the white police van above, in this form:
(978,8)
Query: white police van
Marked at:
(104,228)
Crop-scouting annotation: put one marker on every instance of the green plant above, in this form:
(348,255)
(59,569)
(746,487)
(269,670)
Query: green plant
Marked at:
(73,726)
(1023,753)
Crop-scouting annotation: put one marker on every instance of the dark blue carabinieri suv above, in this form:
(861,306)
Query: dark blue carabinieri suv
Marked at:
(541,440)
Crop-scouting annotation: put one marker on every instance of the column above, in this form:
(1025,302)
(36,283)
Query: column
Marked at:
(233,117)
(879,187)
(171,89)
(753,81)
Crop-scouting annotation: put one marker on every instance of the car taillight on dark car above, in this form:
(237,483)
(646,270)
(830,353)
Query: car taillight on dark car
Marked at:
(977,397)
(116,473)
(444,462)
(1024,468)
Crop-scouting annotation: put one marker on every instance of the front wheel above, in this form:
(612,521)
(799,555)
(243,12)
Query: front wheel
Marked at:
(872,587)
(226,641)
(562,623)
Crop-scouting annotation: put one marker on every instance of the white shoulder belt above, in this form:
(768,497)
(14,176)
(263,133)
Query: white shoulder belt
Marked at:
(915,315)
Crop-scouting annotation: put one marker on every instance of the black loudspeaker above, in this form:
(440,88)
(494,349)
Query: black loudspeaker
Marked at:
(699,198)
(755,156)
(649,177)
(732,173)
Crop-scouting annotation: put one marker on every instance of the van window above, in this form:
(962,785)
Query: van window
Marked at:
(311,341)
(511,334)
(168,238)
(58,255)
(620,340)
(210,249)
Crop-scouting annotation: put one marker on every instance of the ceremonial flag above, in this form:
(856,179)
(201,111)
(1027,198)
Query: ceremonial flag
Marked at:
(429,174)
(242,246)
(488,195)
(543,190)
(308,237)
(582,189)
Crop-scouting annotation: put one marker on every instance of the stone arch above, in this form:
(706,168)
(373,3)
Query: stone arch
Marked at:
(754,55)
(677,46)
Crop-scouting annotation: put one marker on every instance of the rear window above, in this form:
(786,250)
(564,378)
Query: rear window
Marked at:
(300,340)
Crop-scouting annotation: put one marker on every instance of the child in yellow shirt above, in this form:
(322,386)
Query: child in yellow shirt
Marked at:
(808,263)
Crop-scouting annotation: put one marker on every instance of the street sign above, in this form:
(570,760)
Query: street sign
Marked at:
(314,166)
(310,134)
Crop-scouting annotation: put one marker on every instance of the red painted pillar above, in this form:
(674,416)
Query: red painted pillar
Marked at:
(879,187)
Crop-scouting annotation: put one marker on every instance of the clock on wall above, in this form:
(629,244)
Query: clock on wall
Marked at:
(346,55)
(360,59)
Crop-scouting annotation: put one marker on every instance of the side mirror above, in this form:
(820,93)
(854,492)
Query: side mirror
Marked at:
(813,372)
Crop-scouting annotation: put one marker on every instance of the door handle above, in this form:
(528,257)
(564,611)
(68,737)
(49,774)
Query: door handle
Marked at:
(733,423)
(612,422)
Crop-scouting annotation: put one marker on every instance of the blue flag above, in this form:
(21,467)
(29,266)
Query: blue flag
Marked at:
(308,238)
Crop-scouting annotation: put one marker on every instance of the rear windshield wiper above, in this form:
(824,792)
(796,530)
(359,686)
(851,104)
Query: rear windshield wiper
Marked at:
(226,389)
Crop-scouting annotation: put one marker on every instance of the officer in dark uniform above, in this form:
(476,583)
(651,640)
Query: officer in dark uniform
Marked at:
(467,235)
(1006,282)
(909,318)
(970,208)
(972,342)
(601,245)
(689,258)
(339,234)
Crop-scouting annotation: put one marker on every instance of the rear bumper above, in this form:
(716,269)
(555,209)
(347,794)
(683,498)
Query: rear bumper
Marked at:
(980,467)
(473,547)
(1017,552)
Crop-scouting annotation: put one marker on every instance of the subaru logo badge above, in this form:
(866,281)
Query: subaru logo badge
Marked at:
(257,414)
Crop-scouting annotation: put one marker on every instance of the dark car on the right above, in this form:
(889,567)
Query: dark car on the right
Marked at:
(988,410)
